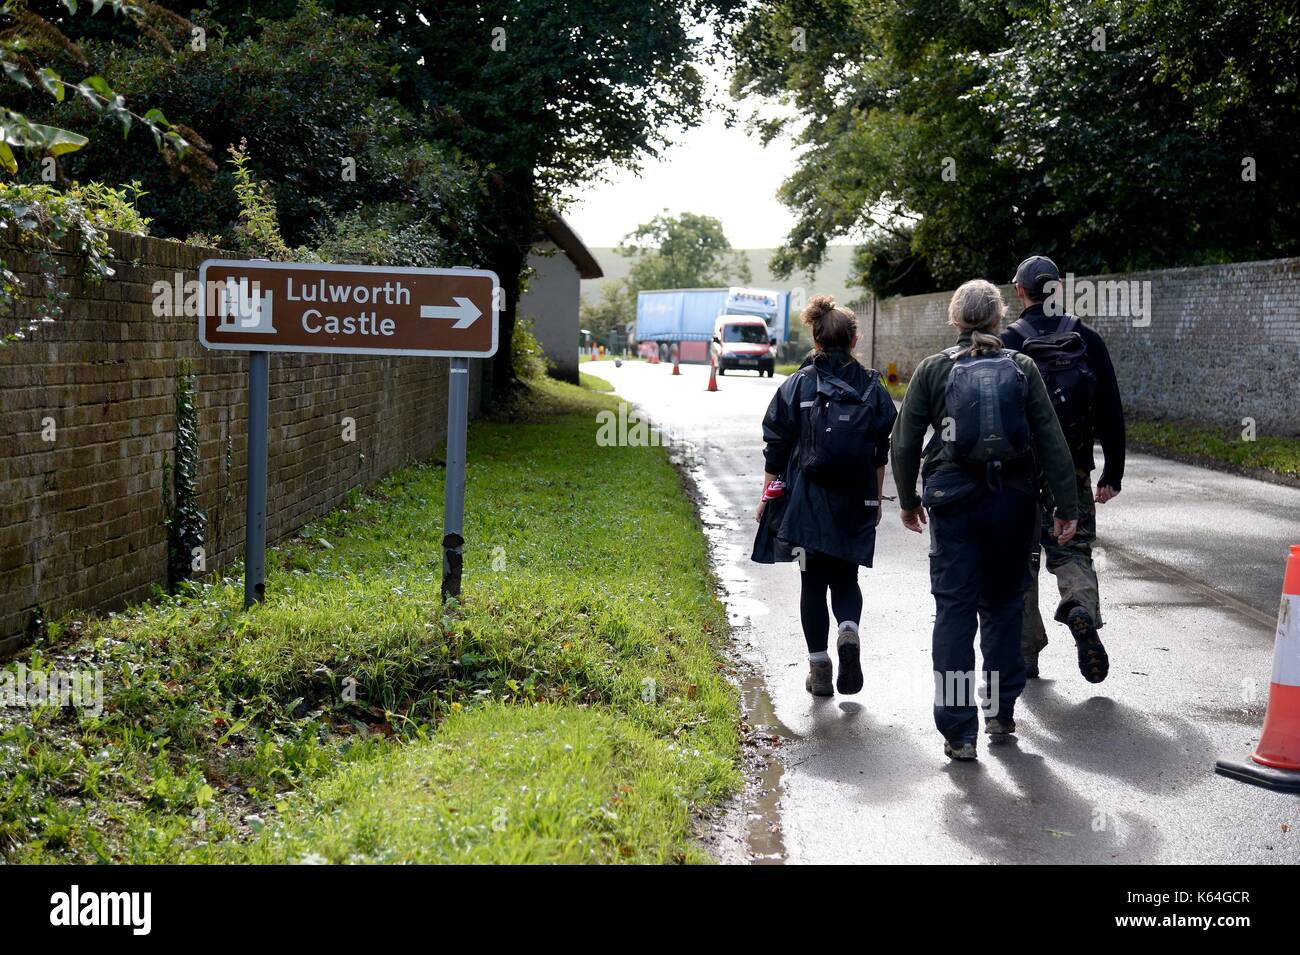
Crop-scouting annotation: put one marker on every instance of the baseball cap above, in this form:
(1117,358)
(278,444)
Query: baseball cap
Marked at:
(1035,272)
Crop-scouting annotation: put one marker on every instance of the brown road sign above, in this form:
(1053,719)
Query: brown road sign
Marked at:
(347,309)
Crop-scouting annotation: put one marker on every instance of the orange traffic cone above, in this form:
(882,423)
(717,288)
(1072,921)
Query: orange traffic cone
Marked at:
(1276,760)
(713,375)
(676,359)
(654,356)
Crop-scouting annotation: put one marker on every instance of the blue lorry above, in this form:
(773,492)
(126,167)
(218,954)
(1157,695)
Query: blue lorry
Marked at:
(692,319)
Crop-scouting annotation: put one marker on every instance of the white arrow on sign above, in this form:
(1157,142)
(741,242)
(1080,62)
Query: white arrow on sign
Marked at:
(464,311)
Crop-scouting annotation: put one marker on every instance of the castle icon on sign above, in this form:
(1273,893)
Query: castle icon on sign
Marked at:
(243,310)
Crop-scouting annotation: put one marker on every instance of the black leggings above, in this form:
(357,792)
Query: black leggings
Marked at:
(841,577)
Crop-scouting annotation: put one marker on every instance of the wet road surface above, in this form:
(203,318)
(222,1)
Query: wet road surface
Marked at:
(1191,569)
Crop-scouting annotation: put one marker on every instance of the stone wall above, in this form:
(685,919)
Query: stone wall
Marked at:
(1220,343)
(81,516)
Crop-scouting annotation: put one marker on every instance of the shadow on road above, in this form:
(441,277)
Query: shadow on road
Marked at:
(1150,751)
(1041,820)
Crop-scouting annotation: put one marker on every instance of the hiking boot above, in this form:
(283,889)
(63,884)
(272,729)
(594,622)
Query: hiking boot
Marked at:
(1093,662)
(850,650)
(963,752)
(1031,664)
(819,679)
(999,730)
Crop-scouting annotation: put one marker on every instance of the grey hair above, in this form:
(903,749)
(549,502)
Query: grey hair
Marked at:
(977,307)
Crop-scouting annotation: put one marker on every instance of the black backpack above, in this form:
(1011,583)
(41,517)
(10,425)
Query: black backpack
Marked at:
(839,443)
(986,398)
(1062,359)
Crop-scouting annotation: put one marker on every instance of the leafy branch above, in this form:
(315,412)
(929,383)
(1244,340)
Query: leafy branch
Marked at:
(29,32)
(43,216)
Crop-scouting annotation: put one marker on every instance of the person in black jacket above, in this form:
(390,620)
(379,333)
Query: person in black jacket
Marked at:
(827,433)
(1076,577)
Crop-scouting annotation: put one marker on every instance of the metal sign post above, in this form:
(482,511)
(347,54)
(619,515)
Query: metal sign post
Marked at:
(255,541)
(453,521)
(261,307)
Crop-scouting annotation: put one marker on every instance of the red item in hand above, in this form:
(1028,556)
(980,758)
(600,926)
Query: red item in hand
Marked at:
(774,489)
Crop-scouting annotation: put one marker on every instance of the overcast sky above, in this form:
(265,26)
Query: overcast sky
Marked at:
(711,170)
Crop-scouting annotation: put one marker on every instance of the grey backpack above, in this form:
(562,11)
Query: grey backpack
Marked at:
(986,398)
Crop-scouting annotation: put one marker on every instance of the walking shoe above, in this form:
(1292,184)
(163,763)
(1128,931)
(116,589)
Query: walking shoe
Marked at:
(1093,662)
(999,730)
(959,751)
(850,650)
(1031,664)
(819,679)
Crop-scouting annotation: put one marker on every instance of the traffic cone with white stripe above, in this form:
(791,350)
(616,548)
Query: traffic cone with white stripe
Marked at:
(713,374)
(1276,760)
(676,359)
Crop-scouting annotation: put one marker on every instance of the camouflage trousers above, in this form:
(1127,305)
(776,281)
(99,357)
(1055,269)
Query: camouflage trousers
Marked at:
(1071,564)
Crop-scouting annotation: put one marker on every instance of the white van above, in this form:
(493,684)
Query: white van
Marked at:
(743,342)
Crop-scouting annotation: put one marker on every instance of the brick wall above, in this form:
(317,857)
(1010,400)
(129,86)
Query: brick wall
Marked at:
(81,517)
(1222,343)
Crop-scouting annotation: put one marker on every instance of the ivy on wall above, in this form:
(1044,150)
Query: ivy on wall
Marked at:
(184,519)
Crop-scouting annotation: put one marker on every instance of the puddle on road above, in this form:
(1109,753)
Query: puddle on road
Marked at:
(763,836)
(761,800)
(718,515)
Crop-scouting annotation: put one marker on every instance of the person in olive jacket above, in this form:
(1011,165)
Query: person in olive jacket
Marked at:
(982,529)
(827,434)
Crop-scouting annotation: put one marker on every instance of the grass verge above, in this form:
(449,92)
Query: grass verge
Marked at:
(574,708)
(1278,455)
(594,382)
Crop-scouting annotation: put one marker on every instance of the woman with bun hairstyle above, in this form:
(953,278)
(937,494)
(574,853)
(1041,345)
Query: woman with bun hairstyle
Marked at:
(827,434)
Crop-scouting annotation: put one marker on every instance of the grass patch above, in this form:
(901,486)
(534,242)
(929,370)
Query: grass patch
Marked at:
(896,389)
(497,784)
(594,382)
(1278,454)
(577,694)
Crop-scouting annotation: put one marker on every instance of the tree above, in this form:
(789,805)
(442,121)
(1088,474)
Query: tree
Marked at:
(685,251)
(547,95)
(1238,67)
(886,264)
(878,135)
(616,306)
(1111,136)
(31,45)
(350,169)
(537,96)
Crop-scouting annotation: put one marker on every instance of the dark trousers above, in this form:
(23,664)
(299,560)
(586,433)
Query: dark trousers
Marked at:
(1072,564)
(820,574)
(978,574)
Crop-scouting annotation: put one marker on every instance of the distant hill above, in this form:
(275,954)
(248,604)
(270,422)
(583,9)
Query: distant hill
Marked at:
(830,279)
